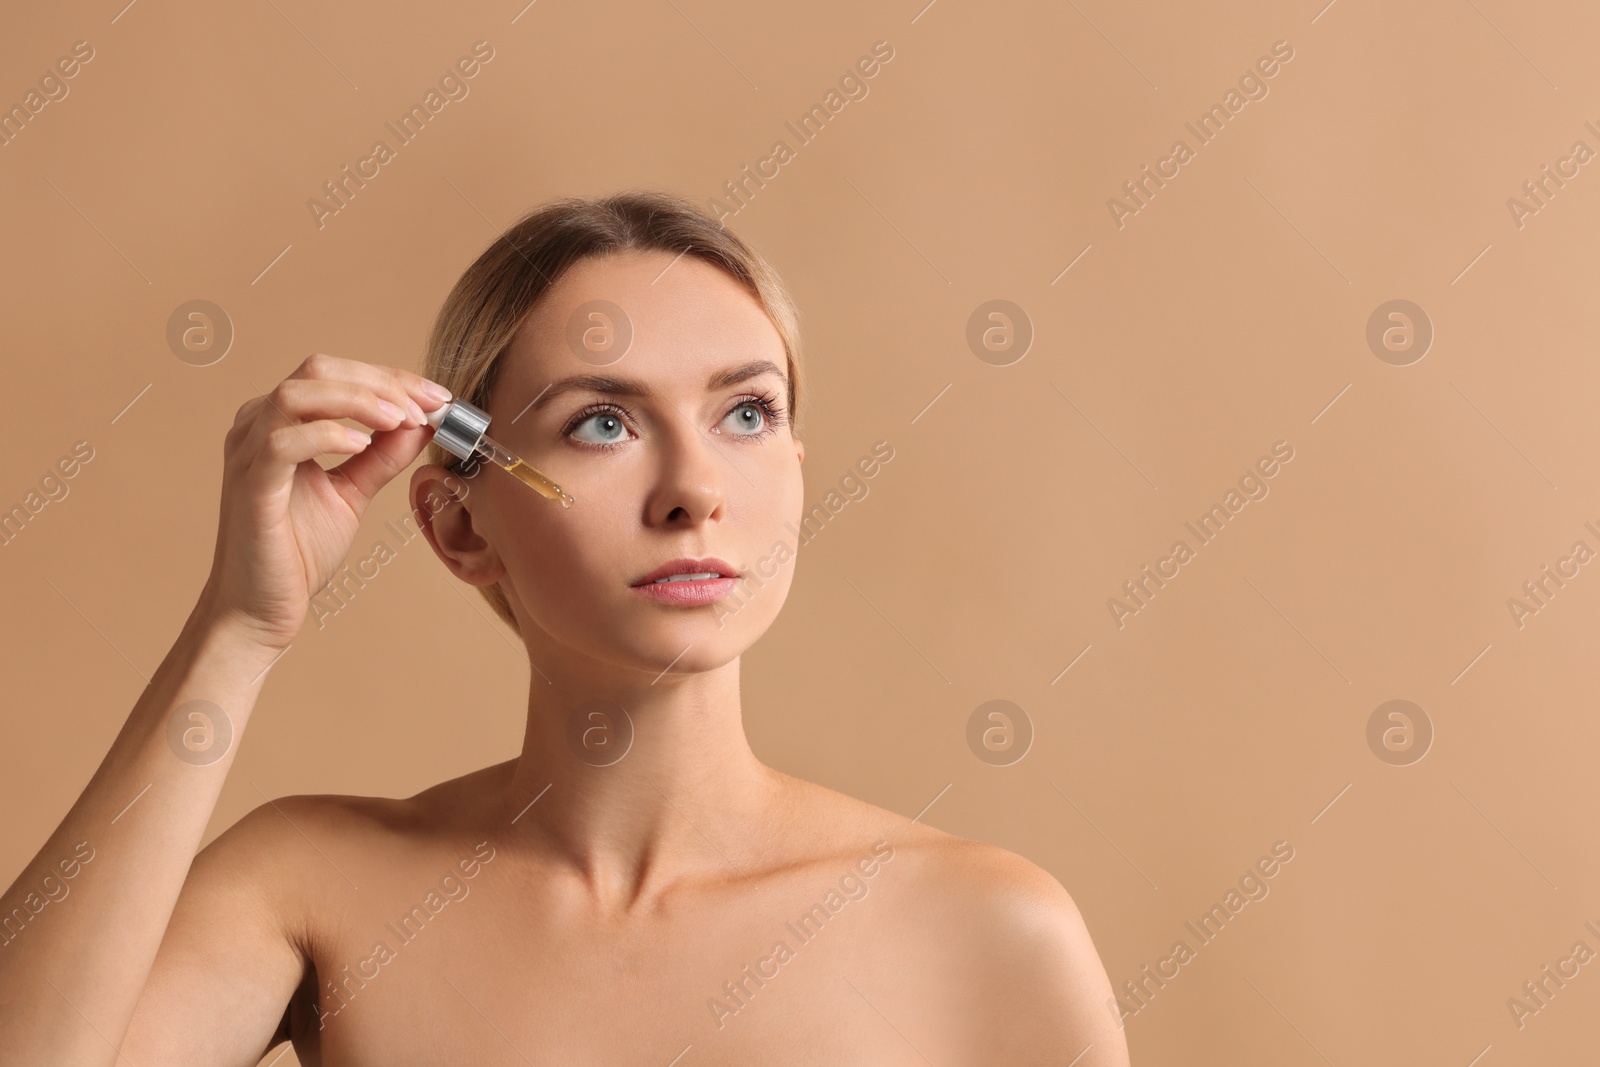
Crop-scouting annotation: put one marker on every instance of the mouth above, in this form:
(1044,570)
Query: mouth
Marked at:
(688,581)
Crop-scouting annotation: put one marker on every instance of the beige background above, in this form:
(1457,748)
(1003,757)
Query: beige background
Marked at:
(1230,313)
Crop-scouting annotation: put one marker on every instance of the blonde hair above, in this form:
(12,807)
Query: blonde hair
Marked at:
(492,298)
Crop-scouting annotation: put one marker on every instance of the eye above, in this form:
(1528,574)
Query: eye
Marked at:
(607,425)
(753,416)
(748,417)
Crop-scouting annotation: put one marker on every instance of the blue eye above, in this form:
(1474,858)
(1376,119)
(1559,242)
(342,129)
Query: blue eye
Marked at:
(610,426)
(611,431)
(749,414)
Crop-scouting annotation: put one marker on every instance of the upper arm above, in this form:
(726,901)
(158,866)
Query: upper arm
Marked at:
(1043,997)
(229,961)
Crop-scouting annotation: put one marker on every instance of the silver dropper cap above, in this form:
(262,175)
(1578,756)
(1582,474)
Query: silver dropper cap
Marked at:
(458,427)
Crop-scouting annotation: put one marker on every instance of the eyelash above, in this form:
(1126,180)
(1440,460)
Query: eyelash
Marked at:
(768,404)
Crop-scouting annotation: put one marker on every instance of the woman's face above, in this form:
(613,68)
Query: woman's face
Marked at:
(666,454)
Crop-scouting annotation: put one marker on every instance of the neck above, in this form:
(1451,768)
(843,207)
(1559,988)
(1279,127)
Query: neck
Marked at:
(632,783)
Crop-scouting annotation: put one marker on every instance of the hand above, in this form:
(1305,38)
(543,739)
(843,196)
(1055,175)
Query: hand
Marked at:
(287,524)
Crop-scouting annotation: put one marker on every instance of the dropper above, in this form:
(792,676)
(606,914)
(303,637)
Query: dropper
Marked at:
(459,427)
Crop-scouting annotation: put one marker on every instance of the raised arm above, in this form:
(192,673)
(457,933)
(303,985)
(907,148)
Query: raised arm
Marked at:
(81,926)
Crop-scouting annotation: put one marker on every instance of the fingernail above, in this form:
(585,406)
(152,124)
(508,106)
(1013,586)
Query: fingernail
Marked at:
(435,391)
(390,410)
(358,438)
(416,412)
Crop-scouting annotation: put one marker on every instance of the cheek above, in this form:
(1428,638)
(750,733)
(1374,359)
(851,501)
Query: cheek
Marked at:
(566,552)
(771,477)
(559,567)
(775,509)
(787,500)
(550,553)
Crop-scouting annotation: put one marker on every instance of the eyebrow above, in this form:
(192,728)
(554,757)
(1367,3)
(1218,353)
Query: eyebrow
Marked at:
(600,383)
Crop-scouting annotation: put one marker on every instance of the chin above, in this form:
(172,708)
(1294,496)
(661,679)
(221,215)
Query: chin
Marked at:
(689,639)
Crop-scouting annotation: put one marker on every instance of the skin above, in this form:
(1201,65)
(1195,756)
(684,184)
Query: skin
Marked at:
(579,913)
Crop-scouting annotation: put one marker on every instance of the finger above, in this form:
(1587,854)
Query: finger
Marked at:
(247,410)
(283,449)
(395,383)
(390,452)
(305,399)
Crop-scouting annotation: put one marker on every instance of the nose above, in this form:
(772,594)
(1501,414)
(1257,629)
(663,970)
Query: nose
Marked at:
(692,471)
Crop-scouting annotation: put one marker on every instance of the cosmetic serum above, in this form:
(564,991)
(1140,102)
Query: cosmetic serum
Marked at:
(459,428)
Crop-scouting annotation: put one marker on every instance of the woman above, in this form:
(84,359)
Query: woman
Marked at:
(635,886)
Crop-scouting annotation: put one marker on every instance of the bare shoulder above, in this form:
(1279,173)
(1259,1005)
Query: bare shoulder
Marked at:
(381,817)
(279,839)
(286,846)
(269,888)
(978,873)
(999,942)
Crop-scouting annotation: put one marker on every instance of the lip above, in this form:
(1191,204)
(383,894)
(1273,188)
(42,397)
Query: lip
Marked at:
(684,565)
(688,593)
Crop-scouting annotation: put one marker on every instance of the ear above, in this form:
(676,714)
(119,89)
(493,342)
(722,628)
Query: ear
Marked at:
(438,504)
(800,449)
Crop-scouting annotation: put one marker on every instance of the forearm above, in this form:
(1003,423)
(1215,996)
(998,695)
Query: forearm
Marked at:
(80,927)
